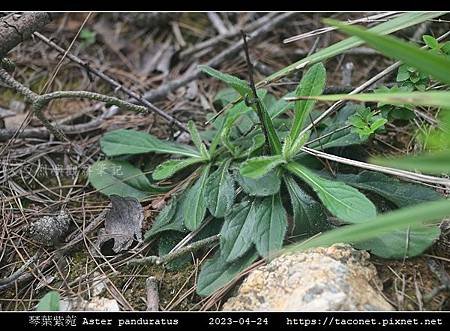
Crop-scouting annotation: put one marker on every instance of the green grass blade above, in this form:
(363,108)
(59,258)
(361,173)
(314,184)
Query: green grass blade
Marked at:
(396,24)
(433,64)
(386,223)
(432,163)
(433,98)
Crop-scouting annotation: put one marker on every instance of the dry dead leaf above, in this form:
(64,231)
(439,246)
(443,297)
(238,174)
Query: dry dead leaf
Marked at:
(123,224)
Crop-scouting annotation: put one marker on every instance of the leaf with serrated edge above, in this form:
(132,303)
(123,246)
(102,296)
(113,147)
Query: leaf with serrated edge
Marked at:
(271,223)
(219,191)
(237,230)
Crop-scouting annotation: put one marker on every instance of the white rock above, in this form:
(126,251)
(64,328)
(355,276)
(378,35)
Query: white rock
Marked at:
(337,278)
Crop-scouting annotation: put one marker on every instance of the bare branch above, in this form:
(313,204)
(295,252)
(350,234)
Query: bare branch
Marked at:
(15,28)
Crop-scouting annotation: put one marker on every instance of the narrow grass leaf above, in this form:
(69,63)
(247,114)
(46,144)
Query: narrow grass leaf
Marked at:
(427,62)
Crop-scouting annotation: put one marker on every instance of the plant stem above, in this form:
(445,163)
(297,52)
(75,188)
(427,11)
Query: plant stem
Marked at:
(180,252)
(270,134)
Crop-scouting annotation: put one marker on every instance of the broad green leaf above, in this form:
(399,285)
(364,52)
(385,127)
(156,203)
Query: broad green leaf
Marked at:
(378,226)
(401,22)
(241,86)
(168,168)
(121,178)
(257,167)
(428,62)
(49,302)
(402,243)
(268,184)
(433,162)
(399,192)
(237,231)
(343,201)
(435,99)
(270,226)
(219,191)
(312,84)
(171,218)
(216,272)
(195,204)
(309,215)
(122,142)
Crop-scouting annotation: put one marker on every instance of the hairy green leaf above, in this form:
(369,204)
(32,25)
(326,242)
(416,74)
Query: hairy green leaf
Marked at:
(309,215)
(121,178)
(237,231)
(270,226)
(216,272)
(195,204)
(241,86)
(168,168)
(167,241)
(312,84)
(343,201)
(219,191)
(122,142)
(268,184)
(197,140)
(259,166)
(402,243)
(171,218)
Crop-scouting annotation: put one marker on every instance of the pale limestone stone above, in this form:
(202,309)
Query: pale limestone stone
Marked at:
(337,278)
